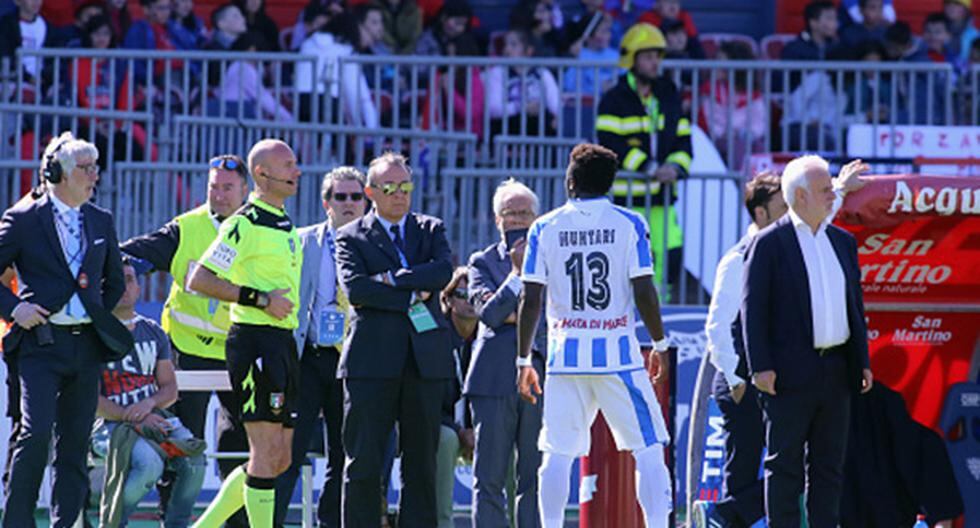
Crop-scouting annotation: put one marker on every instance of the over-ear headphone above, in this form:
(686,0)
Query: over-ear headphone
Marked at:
(53,171)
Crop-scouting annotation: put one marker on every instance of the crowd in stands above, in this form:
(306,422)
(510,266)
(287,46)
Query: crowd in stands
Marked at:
(330,30)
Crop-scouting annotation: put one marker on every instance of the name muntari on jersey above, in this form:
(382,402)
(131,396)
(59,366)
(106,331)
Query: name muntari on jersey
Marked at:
(586,237)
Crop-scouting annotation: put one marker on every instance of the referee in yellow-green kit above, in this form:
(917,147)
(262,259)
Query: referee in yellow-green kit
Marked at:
(255,264)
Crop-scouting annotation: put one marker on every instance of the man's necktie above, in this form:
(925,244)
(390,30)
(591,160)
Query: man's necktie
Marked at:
(72,244)
(396,237)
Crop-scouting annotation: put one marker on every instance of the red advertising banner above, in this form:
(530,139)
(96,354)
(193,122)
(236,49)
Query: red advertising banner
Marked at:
(919,249)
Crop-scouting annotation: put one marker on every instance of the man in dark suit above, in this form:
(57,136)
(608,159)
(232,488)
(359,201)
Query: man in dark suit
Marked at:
(69,278)
(503,421)
(324,315)
(806,339)
(397,355)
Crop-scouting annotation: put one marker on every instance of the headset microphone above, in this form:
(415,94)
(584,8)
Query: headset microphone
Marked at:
(280,180)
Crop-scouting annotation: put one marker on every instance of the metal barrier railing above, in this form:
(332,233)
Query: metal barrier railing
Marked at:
(465,122)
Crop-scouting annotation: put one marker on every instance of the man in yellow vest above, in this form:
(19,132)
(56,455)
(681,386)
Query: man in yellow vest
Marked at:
(324,315)
(197,325)
(642,120)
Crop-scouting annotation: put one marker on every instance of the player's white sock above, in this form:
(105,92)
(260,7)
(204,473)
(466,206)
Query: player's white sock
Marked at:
(553,482)
(653,490)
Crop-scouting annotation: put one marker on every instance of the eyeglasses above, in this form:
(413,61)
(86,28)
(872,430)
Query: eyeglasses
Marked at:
(225,164)
(91,168)
(510,213)
(343,197)
(459,293)
(391,188)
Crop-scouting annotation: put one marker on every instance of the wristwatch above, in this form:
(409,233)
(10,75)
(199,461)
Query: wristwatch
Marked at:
(262,300)
(524,361)
(662,345)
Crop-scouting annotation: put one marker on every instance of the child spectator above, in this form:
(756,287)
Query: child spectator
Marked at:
(343,36)
(850,12)
(964,29)
(585,21)
(937,38)
(747,121)
(516,91)
(188,25)
(536,18)
(452,22)
(451,98)
(670,11)
(153,33)
(91,74)
(402,21)
(870,95)
(256,20)
(71,36)
(25,29)
(819,39)
(901,45)
(229,24)
(589,80)
(312,18)
(679,44)
(243,86)
(872,26)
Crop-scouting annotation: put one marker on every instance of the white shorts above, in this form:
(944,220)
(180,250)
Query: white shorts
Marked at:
(626,400)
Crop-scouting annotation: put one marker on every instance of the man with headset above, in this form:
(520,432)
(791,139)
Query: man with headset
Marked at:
(70,276)
(197,325)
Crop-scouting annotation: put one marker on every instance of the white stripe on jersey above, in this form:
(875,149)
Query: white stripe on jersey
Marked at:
(585,253)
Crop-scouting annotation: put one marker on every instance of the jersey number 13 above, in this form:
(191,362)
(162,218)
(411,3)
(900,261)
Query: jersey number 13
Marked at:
(597,295)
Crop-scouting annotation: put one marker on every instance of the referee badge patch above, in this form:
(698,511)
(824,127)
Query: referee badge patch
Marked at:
(223,256)
(276,401)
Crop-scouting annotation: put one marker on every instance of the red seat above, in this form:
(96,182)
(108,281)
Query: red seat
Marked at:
(772,45)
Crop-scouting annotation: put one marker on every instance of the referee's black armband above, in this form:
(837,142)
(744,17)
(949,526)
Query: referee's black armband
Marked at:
(248,296)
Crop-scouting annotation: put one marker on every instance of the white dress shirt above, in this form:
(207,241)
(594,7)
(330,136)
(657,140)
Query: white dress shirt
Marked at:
(73,312)
(828,301)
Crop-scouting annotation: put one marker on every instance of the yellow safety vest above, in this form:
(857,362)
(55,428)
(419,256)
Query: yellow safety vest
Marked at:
(196,324)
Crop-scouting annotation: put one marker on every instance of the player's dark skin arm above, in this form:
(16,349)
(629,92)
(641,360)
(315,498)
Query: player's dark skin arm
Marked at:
(647,303)
(528,312)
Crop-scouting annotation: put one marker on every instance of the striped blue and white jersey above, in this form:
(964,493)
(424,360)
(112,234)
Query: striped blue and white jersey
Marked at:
(585,253)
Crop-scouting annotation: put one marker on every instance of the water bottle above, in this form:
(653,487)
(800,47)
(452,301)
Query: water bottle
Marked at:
(920,522)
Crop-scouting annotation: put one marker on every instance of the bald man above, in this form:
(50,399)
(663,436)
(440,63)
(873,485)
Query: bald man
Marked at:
(255,264)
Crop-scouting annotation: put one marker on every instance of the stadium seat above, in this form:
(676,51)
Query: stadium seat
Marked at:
(772,45)
(711,42)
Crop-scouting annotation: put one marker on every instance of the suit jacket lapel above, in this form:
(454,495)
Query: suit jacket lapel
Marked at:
(46,211)
(413,237)
(797,268)
(376,235)
(91,236)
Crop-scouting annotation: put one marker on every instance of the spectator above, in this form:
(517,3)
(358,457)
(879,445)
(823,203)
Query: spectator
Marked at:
(335,40)
(811,113)
(666,12)
(679,44)
(454,438)
(872,26)
(870,95)
(589,80)
(118,11)
(314,16)
(457,93)
(402,24)
(187,25)
(71,36)
(94,90)
(962,25)
(819,39)
(914,88)
(259,22)
(134,392)
(729,109)
(453,22)
(242,86)
(937,38)
(521,92)
(229,24)
(25,29)
(583,25)
(901,45)
(153,33)
(536,18)
(850,12)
